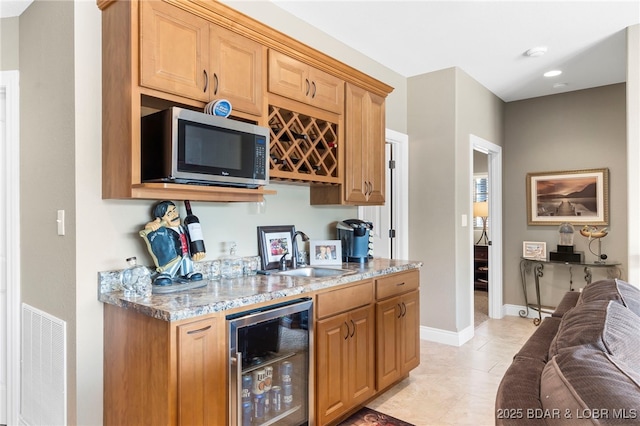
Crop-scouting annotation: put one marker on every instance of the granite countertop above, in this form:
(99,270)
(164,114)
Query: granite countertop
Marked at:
(224,294)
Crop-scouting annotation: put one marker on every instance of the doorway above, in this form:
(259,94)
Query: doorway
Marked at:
(494,189)
(391,221)
(9,248)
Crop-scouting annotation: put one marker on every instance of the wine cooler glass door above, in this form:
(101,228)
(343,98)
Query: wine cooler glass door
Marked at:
(270,355)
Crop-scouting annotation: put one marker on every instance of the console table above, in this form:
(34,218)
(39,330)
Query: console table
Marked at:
(537,266)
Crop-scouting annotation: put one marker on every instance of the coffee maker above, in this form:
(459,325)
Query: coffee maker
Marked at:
(354,235)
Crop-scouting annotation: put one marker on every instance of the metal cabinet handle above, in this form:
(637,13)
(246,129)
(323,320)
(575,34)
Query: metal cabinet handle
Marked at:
(347,335)
(306,93)
(206,81)
(404,309)
(215,86)
(354,328)
(400,314)
(200,330)
(313,95)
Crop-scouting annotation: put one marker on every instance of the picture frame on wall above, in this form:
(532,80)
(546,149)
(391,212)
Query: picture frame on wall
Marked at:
(534,250)
(325,252)
(574,196)
(273,243)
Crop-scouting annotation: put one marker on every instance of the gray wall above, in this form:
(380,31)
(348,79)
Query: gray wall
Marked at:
(584,129)
(9,36)
(444,109)
(47,167)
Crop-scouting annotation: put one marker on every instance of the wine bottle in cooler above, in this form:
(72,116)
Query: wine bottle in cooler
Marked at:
(196,239)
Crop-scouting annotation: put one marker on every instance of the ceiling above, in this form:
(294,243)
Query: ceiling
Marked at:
(486,39)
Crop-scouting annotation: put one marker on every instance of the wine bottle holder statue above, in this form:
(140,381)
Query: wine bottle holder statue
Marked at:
(170,245)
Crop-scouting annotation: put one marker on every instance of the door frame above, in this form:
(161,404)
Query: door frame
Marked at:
(400,194)
(494,179)
(9,84)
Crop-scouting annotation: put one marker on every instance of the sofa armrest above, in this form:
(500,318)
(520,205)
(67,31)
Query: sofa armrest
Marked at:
(569,300)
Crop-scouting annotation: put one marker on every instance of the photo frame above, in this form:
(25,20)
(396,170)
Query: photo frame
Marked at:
(325,252)
(574,196)
(534,250)
(273,243)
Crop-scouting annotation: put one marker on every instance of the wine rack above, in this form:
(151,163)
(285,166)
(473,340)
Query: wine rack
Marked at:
(302,148)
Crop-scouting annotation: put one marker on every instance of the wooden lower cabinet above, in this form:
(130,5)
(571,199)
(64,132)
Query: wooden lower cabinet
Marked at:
(398,344)
(345,362)
(163,373)
(397,326)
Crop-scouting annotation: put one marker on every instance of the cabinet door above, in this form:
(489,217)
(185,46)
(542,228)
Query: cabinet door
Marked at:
(199,375)
(238,70)
(174,50)
(364,147)
(326,91)
(288,77)
(388,314)
(298,81)
(361,355)
(332,360)
(410,327)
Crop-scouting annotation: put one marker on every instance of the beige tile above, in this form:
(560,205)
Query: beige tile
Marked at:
(457,385)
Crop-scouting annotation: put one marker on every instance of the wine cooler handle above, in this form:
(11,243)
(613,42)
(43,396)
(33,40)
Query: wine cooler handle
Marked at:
(237,404)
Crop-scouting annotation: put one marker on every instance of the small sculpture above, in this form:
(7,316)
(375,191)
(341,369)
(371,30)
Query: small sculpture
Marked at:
(168,243)
(593,233)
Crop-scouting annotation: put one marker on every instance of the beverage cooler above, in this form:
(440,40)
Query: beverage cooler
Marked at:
(270,365)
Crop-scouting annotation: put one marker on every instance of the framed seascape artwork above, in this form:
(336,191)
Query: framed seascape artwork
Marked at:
(325,252)
(273,243)
(534,250)
(575,196)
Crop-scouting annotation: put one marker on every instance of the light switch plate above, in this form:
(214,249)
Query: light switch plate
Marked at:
(60,222)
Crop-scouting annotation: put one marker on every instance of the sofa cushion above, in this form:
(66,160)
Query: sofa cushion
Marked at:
(603,325)
(612,289)
(589,386)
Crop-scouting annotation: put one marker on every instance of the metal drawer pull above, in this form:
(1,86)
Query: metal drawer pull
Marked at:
(199,330)
(399,284)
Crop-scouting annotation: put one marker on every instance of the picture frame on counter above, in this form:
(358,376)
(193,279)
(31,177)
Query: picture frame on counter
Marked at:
(574,196)
(534,250)
(273,243)
(325,252)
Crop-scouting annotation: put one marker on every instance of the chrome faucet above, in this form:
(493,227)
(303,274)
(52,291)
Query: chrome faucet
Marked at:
(283,262)
(294,246)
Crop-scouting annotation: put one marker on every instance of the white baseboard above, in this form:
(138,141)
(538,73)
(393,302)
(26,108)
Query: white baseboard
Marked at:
(453,338)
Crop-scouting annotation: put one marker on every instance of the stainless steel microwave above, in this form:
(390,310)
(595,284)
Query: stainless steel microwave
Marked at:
(185,146)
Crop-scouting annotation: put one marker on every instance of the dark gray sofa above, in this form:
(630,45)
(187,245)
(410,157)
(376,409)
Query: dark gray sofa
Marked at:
(581,366)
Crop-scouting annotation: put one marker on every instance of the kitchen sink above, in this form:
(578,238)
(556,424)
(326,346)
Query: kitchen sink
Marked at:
(311,271)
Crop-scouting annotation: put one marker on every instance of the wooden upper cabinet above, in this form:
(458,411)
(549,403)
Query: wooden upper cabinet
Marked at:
(238,70)
(174,50)
(364,147)
(183,54)
(296,80)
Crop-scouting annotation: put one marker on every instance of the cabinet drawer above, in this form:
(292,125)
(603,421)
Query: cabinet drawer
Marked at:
(397,284)
(344,299)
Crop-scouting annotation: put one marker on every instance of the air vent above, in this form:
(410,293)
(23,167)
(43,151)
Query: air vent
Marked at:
(43,381)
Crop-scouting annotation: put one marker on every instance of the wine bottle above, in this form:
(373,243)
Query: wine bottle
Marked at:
(196,240)
(284,137)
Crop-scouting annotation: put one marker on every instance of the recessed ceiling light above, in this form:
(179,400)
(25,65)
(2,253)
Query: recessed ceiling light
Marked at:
(553,73)
(536,51)
(560,85)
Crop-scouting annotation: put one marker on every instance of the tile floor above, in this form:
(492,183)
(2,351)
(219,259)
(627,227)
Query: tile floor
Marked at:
(457,385)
